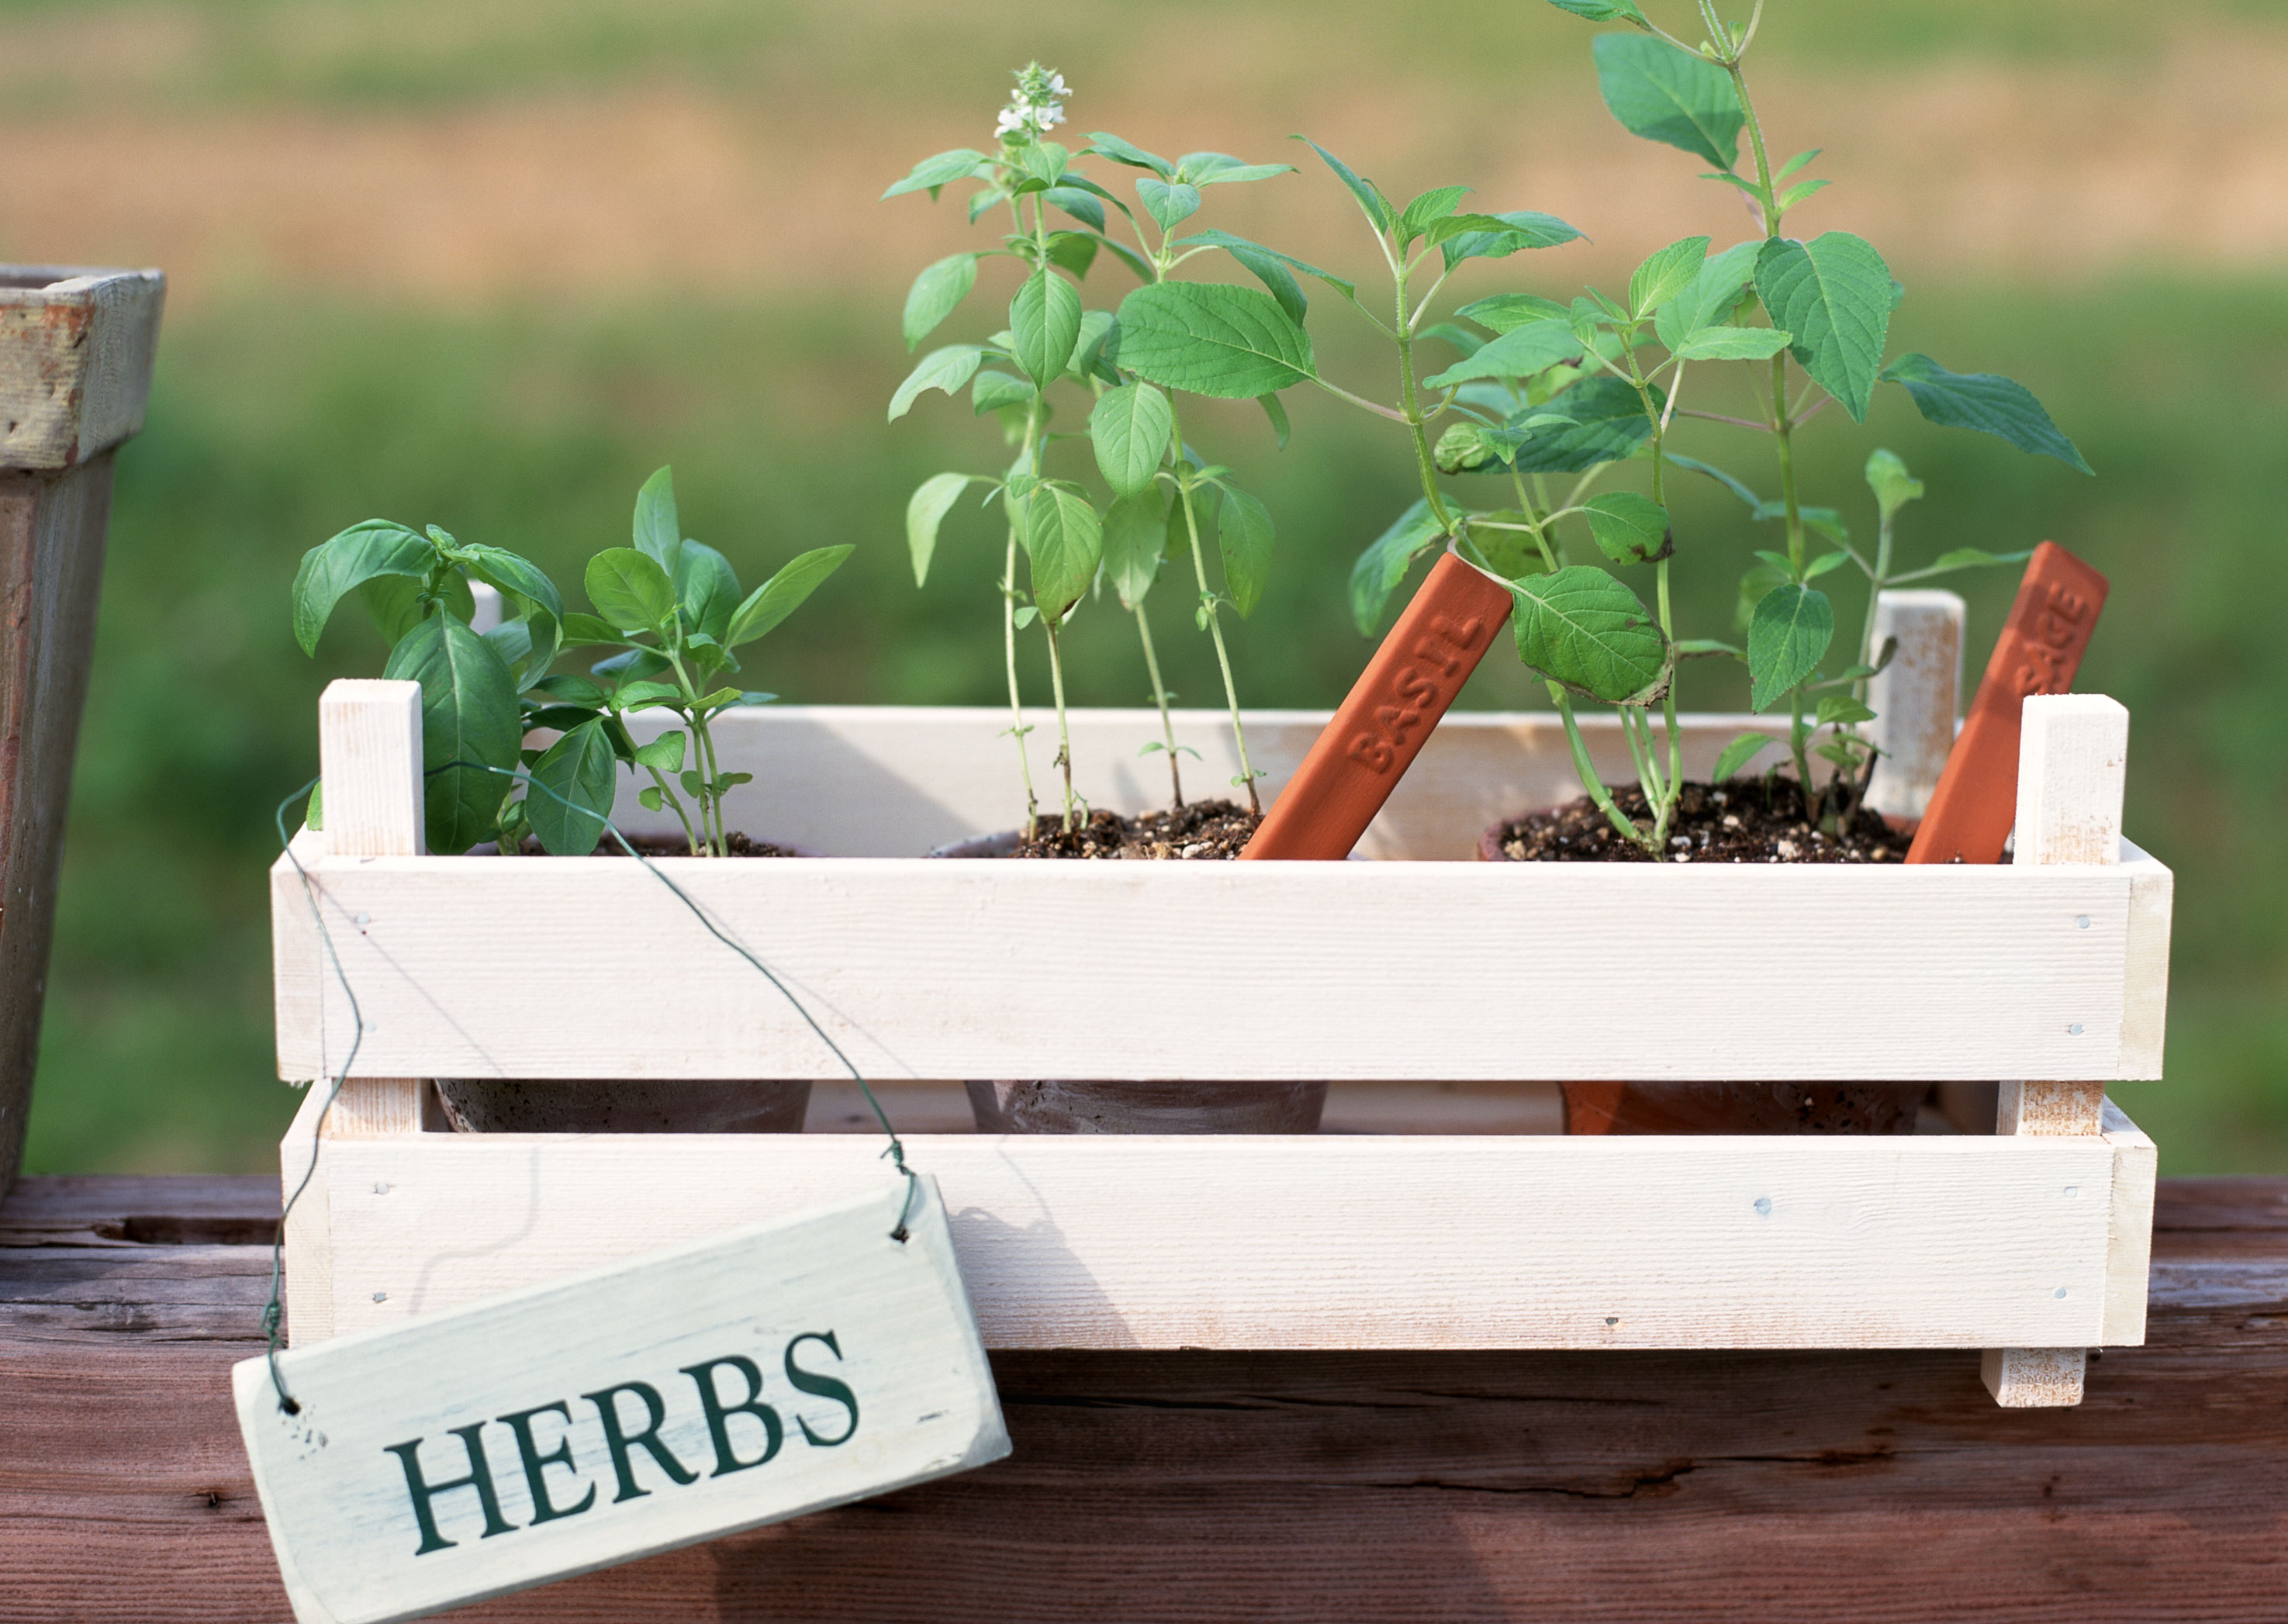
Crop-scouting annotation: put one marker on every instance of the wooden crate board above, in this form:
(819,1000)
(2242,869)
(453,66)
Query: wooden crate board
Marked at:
(1316,1242)
(1362,971)
(1358,970)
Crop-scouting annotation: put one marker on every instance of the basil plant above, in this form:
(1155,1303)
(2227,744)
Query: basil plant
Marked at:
(674,608)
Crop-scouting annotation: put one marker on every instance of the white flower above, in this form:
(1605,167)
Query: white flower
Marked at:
(1011,119)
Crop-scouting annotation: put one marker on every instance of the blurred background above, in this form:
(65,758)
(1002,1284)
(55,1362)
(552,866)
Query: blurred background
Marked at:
(486,262)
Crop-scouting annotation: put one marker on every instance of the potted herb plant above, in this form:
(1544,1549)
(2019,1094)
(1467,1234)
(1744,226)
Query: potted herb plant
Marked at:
(673,609)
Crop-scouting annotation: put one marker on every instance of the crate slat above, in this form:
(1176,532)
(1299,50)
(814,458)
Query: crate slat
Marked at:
(1144,1242)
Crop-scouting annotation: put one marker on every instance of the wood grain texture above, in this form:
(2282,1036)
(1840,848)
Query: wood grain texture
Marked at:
(370,1482)
(1989,976)
(370,761)
(906,963)
(1139,1241)
(75,351)
(51,537)
(1290,1488)
(1915,697)
(2034,1378)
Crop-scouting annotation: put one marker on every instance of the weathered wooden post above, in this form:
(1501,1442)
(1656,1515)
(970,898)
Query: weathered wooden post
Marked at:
(75,350)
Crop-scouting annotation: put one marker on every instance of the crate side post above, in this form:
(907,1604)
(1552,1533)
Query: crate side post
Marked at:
(2072,765)
(370,761)
(1915,697)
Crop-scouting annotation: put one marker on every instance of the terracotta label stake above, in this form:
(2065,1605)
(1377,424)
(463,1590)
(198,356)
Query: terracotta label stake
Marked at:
(2040,649)
(1415,674)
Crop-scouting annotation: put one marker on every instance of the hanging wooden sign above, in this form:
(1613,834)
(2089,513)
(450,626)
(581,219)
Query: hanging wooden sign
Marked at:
(651,1404)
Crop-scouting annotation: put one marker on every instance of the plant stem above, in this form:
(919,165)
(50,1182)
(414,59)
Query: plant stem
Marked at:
(1208,602)
(1160,698)
(1064,735)
(1598,793)
(1425,465)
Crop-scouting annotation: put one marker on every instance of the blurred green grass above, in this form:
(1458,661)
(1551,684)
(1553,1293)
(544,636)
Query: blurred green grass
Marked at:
(276,420)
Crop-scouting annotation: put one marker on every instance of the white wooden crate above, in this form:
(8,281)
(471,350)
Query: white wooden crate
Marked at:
(1379,971)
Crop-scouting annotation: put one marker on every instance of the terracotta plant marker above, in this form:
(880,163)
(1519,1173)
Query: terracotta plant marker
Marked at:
(1414,676)
(2040,649)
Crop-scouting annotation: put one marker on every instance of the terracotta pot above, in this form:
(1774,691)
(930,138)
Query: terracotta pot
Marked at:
(590,1104)
(1729,1107)
(1148,1107)
(1743,1107)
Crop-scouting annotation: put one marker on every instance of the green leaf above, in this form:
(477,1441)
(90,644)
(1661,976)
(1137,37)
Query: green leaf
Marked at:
(1099,341)
(932,173)
(630,589)
(1841,708)
(1277,414)
(1967,557)
(579,767)
(926,509)
(1206,338)
(658,534)
(632,664)
(1827,522)
(1520,353)
(359,554)
(1217,169)
(944,285)
(707,587)
(1797,194)
(1434,205)
(1602,11)
(1243,529)
(1665,273)
(1203,513)
(663,755)
(1787,638)
(1825,562)
(313,812)
(1507,311)
(1666,95)
(994,390)
(638,692)
(1608,424)
(1497,236)
(1129,429)
(469,714)
(1732,344)
(1581,627)
(396,602)
(1834,294)
(1630,529)
(1796,162)
(584,630)
(1755,585)
(783,593)
(1738,754)
(1985,401)
(1120,151)
(1724,479)
(1370,196)
(572,690)
(947,368)
(1270,268)
(1169,202)
(1893,485)
(1044,326)
(1064,542)
(1134,537)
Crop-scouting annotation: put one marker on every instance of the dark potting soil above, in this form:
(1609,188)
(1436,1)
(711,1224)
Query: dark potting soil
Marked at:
(670,845)
(1743,821)
(1205,831)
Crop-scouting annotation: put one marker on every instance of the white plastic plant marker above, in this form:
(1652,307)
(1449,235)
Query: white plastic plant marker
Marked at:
(651,1404)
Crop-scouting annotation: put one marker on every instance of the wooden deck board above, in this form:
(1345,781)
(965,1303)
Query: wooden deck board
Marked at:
(1772,1486)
